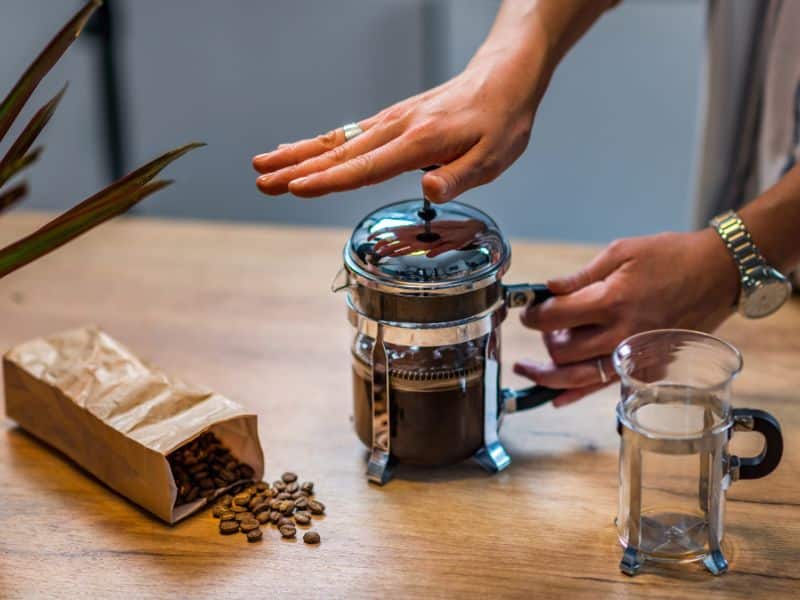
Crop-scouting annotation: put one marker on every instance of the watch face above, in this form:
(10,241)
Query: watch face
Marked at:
(767,296)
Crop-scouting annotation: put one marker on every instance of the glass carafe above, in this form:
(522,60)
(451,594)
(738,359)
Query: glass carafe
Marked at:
(675,420)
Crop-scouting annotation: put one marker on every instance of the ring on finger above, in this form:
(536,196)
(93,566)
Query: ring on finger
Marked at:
(351,131)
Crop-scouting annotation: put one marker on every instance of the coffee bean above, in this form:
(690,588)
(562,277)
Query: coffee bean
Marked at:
(292,487)
(238,509)
(255,501)
(298,494)
(286,507)
(283,496)
(245,516)
(263,517)
(246,471)
(270,493)
(311,537)
(192,495)
(241,499)
(231,466)
(261,487)
(197,467)
(228,516)
(279,485)
(219,483)
(255,535)
(246,526)
(301,503)
(275,516)
(228,527)
(288,531)
(259,508)
(316,507)
(227,475)
(207,483)
(302,518)
(225,500)
(218,510)
(275,503)
(289,477)
(308,486)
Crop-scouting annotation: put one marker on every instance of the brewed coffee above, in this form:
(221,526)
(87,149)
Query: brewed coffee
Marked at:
(436,401)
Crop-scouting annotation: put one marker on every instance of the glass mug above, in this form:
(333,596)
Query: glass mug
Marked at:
(675,421)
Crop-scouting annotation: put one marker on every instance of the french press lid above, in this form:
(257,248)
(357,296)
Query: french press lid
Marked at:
(409,248)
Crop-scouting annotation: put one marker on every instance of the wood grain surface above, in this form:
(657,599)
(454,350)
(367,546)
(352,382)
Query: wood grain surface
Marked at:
(247,310)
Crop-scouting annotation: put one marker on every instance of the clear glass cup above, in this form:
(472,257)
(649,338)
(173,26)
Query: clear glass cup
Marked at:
(675,420)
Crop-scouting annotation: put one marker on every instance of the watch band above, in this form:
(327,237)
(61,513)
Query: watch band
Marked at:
(737,238)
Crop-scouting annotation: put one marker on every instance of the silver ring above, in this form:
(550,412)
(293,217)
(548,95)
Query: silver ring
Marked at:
(603,377)
(352,130)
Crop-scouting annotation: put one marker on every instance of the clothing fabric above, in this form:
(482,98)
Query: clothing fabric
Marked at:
(750,97)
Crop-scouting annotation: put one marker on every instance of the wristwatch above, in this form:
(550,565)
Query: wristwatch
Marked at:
(763,289)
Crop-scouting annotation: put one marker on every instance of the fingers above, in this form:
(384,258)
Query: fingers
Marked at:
(291,154)
(582,343)
(576,375)
(600,267)
(393,158)
(590,305)
(472,169)
(579,380)
(278,182)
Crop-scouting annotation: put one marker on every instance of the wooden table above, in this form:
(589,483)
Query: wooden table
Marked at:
(247,310)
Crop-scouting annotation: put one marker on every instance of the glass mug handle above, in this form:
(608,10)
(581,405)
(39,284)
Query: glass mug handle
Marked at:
(755,467)
(519,296)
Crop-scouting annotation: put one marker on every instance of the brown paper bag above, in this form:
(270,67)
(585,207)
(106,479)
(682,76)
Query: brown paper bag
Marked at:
(91,398)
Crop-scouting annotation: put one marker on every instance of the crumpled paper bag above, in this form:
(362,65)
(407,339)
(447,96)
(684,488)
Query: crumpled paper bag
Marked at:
(87,395)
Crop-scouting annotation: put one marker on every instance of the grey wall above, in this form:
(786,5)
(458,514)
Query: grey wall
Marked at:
(611,152)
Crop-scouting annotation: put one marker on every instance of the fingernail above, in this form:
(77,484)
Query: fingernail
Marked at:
(300,181)
(264,179)
(283,146)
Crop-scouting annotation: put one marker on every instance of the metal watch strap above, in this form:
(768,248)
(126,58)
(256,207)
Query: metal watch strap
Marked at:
(737,238)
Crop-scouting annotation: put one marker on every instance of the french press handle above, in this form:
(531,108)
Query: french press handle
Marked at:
(751,419)
(519,296)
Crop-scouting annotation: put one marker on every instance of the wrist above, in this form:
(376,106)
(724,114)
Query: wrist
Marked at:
(721,274)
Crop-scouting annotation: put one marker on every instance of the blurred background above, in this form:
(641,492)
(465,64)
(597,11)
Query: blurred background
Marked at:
(611,153)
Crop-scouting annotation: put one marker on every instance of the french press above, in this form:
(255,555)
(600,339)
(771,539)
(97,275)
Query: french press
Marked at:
(675,420)
(425,296)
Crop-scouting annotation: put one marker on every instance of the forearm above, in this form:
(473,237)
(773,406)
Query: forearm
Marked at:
(539,29)
(774,222)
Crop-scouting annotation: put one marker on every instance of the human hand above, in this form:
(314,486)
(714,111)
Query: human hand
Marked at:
(670,280)
(406,239)
(475,126)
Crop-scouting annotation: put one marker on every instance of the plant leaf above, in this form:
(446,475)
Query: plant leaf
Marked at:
(31,131)
(60,231)
(16,99)
(12,196)
(137,178)
(19,165)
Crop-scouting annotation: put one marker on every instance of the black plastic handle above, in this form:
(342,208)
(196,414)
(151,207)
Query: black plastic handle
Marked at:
(755,467)
(534,396)
(519,295)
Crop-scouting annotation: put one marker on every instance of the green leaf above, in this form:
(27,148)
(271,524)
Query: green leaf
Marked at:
(31,132)
(16,99)
(60,231)
(12,196)
(19,165)
(133,180)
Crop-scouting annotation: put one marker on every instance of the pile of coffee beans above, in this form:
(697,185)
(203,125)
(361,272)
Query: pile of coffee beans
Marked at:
(285,504)
(203,467)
